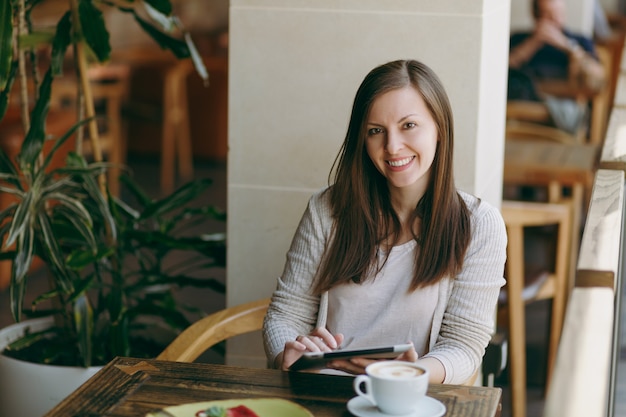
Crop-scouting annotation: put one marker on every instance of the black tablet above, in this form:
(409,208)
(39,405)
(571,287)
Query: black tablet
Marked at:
(311,360)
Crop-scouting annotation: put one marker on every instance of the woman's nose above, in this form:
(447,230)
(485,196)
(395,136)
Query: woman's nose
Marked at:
(394,142)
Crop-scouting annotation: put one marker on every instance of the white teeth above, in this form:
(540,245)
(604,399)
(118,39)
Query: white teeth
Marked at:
(400,162)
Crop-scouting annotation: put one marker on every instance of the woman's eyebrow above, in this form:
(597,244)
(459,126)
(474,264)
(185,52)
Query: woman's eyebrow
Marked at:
(403,118)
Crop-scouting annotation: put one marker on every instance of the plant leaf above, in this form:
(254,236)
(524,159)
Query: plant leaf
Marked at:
(177,46)
(24,254)
(20,220)
(196,58)
(5,216)
(83,322)
(136,191)
(61,41)
(33,142)
(78,216)
(102,206)
(81,259)
(163,6)
(36,39)
(162,18)
(11,174)
(119,337)
(54,254)
(17,292)
(6,47)
(60,141)
(5,94)
(94,30)
(177,199)
(28,339)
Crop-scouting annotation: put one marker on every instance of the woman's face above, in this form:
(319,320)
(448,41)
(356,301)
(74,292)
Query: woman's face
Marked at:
(401,139)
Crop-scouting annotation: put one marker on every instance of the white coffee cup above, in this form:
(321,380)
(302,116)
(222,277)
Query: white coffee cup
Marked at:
(395,387)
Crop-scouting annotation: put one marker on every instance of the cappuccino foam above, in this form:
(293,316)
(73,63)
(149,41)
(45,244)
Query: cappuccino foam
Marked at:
(396,371)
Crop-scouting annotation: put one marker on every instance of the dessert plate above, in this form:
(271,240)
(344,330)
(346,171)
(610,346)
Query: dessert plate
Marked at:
(263,407)
(429,407)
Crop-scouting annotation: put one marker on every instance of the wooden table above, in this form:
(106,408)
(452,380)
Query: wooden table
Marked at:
(537,162)
(134,387)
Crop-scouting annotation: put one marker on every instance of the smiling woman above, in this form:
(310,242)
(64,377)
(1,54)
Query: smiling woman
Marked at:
(402,139)
(391,252)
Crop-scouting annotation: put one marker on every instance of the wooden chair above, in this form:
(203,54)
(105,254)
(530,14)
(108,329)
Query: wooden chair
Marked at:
(533,119)
(219,326)
(523,130)
(522,289)
(110,88)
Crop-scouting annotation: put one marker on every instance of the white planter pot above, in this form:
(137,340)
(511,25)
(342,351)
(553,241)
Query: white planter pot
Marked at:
(30,389)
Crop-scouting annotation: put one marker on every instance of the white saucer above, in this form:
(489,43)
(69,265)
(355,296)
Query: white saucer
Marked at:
(429,407)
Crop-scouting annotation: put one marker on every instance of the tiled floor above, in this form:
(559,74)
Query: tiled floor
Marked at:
(146,170)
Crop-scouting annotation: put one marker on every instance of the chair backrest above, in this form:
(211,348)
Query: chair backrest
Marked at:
(109,86)
(219,326)
(520,130)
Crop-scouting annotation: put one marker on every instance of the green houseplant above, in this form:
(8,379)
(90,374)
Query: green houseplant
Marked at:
(107,258)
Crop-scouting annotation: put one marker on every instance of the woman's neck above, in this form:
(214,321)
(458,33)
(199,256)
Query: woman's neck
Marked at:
(404,203)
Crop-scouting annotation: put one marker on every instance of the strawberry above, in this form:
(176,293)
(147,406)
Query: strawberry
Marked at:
(216,411)
(240,411)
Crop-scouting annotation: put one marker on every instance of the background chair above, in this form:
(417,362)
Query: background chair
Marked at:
(210,330)
(528,283)
(109,87)
(533,118)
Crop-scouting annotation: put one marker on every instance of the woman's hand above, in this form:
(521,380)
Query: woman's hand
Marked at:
(357,366)
(320,340)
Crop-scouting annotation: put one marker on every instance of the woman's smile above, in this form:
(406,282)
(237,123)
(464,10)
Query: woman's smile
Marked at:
(400,163)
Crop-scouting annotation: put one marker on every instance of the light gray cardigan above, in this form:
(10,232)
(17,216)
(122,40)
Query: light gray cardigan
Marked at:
(463,320)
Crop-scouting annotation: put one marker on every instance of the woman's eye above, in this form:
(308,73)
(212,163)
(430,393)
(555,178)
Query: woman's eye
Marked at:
(374,131)
(409,125)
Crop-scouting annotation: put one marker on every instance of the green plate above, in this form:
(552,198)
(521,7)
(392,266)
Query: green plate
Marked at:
(264,407)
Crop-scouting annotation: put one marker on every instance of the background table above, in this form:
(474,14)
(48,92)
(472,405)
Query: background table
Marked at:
(134,387)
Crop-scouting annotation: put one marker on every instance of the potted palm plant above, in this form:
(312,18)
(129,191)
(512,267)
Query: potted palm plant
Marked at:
(108,260)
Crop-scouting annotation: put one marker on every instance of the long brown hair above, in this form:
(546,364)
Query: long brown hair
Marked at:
(360,200)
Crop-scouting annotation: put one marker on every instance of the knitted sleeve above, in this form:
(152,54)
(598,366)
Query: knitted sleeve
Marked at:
(294,309)
(468,320)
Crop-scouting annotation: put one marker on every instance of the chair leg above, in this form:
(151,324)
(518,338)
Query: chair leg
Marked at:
(117,148)
(517,321)
(560,292)
(168,141)
(176,133)
(183,144)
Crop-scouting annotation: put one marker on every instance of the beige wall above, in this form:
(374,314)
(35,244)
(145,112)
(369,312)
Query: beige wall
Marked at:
(294,68)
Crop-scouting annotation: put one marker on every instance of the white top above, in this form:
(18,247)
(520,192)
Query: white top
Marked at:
(383,310)
(461,321)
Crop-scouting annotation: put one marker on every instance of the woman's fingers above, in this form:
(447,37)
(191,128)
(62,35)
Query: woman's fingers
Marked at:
(409,356)
(293,351)
(320,340)
(339,339)
(327,337)
(313,343)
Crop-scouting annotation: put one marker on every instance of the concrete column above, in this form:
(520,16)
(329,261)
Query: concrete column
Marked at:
(294,68)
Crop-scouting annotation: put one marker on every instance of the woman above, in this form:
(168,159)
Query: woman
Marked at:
(391,252)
